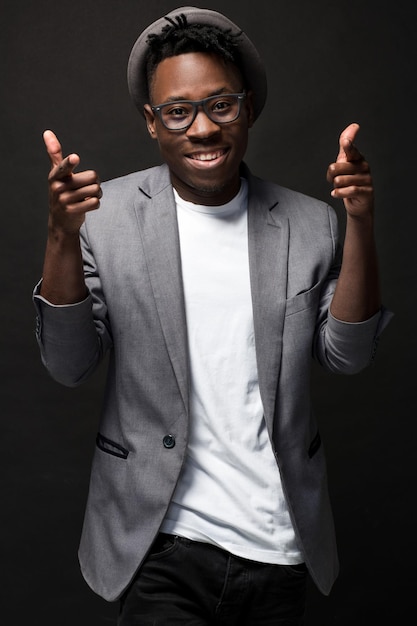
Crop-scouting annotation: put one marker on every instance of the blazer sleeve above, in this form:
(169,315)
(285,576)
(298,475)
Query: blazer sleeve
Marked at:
(345,347)
(74,338)
(348,348)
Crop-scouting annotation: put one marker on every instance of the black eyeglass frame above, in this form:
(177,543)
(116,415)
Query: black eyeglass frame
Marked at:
(200,103)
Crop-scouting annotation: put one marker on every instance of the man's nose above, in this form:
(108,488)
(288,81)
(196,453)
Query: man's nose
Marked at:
(202,126)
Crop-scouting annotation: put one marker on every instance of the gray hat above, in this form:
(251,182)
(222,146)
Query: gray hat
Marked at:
(252,65)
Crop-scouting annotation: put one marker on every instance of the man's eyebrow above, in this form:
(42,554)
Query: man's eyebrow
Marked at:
(216,92)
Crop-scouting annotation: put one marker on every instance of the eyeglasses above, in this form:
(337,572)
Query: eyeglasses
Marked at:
(221,109)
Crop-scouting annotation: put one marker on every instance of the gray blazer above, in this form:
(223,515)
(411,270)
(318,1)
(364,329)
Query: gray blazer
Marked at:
(135,311)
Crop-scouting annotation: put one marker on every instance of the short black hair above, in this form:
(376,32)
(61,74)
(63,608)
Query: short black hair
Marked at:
(179,37)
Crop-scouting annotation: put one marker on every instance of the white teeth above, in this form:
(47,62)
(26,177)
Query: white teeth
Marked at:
(206,156)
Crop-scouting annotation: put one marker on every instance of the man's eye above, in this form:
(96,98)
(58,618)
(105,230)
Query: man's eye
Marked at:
(177,112)
(220,105)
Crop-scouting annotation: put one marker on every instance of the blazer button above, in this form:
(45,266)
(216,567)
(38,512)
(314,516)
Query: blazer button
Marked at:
(169,441)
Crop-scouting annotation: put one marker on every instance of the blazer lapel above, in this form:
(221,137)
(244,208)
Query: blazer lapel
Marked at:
(268,260)
(158,224)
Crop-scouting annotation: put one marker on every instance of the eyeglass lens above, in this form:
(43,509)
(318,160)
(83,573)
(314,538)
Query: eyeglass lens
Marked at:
(220,109)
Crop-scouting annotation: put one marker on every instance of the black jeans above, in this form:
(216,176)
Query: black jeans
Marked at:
(189,583)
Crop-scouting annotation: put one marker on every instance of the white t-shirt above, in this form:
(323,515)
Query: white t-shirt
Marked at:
(229,493)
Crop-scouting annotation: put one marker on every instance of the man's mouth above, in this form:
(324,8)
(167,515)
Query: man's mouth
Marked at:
(207,156)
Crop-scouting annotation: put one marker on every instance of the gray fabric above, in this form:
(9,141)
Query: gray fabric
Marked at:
(136,310)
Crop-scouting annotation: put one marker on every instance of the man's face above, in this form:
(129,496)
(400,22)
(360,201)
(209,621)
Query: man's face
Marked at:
(204,159)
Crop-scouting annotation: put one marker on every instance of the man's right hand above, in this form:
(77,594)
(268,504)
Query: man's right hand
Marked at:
(71,194)
(70,197)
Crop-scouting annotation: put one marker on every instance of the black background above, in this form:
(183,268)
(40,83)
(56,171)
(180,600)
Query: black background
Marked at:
(329,63)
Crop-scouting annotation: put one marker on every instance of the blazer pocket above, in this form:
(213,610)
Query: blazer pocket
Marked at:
(111,447)
(303,300)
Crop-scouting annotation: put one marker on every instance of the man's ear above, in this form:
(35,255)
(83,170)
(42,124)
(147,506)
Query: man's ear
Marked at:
(150,120)
(249,108)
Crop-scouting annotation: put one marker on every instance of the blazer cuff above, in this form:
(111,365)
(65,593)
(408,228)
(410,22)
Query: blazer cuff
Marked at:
(58,321)
(370,328)
(356,343)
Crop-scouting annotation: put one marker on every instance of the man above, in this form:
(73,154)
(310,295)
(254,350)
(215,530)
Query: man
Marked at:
(211,289)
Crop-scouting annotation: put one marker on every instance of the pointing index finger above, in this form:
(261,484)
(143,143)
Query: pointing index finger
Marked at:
(61,167)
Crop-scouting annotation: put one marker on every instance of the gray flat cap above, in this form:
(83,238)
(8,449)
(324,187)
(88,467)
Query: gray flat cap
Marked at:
(252,64)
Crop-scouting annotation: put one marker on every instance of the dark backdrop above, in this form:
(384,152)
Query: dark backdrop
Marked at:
(329,63)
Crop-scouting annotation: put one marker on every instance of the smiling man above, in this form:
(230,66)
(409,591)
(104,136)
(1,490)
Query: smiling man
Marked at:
(212,290)
(204,159)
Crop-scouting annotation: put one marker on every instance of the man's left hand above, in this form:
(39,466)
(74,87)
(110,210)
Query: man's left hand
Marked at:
(351,176)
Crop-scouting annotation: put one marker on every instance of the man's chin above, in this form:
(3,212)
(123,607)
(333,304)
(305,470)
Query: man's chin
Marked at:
(207,192)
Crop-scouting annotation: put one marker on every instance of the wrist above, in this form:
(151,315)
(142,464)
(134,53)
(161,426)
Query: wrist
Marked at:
(61,235)
(363,220)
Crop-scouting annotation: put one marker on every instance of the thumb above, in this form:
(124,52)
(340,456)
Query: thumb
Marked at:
(347,149)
